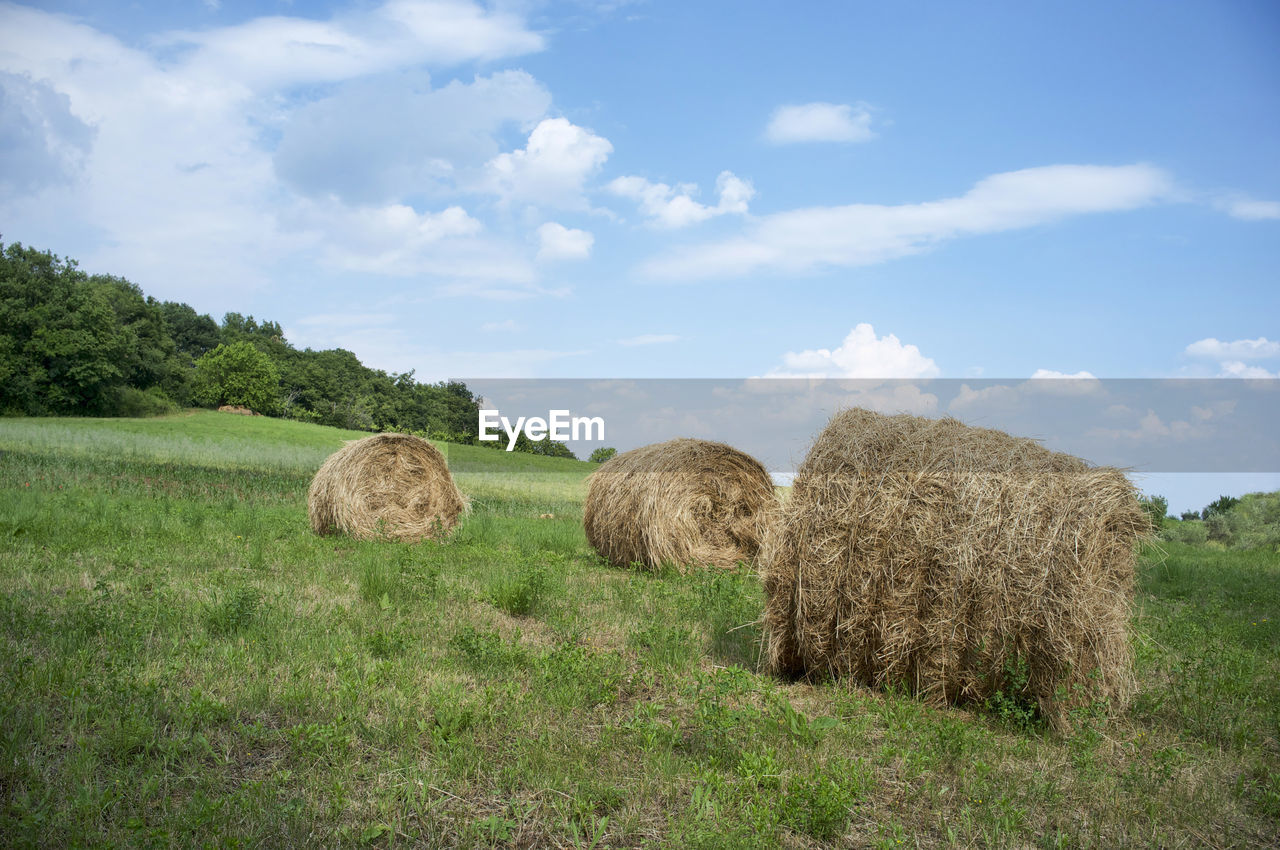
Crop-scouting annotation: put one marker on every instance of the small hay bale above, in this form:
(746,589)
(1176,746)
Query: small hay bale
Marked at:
(682,502)
(388,486)
(939,557)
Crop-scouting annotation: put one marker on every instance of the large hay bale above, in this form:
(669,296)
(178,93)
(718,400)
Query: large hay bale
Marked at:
(682,502)
(951,560)
(392,486)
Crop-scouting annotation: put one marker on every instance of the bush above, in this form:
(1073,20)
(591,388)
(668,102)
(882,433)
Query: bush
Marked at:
(602,454)
(237,374)
(1249,522)
(137,404)
(1191,531)
(1157,507)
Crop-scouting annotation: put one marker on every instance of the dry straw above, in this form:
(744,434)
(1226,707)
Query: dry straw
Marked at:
(951,561)
(683,502)
(388,486)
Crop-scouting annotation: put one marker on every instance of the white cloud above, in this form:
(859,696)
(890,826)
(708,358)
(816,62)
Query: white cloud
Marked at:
(1248,209)
(265,53)
(1240,349)
(1152,428)
(1239,369)
(177,188)
(863,234)
(649,339)
(505,325)
(395,239)
(995,397)
(861,355)
(391,135)
(1220,408)
(667,206)
(552,168)
(41,140)
(820,122)
(557,242)
(1050,374)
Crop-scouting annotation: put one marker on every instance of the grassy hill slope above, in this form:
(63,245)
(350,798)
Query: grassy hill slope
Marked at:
(183,663)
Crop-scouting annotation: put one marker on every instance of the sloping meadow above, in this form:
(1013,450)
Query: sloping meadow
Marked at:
(185,662)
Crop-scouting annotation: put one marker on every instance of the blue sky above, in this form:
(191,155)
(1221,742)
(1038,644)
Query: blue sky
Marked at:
(671,189)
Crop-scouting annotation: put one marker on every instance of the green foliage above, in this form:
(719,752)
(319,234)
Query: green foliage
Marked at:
(1250,522)
(1191,531)
(1010,702)
(152,359)
(522,593)
(70,344)
(1220,505)
(62,350)
(194,334)
(818,804)
(239,374)
(1157,508)
(602,454)
(232,612)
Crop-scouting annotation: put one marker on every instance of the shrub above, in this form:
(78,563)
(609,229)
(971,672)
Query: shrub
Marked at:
(135,403)
(1191,531)
(237,374)
(602,454)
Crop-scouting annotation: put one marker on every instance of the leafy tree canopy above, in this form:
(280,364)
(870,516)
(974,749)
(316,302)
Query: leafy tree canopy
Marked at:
(239,374)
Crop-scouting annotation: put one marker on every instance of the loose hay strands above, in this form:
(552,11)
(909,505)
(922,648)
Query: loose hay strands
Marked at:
(392,486)
(940,557)
(682,502)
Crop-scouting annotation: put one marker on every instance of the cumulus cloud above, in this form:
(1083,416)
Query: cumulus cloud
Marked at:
(861,355)
(41,141)
(552,168)
(672,207)
(1240,349)
(864,234)
(392,135)
(649,339)
(557,242)
(1239,369)
(178,186)
(820,122)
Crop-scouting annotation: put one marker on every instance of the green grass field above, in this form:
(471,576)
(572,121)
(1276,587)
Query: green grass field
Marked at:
(185,664)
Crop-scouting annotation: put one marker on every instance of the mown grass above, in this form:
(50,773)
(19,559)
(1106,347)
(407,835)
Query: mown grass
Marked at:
(184,663)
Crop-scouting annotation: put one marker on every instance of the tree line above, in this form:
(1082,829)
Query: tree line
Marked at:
(1251,521)
(72,343)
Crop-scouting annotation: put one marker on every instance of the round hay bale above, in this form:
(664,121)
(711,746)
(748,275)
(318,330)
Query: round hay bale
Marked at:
(955,562)
(388,486)
(683,502)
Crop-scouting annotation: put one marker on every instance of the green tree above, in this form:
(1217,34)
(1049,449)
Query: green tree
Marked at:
(1156,507)
(153,360)
(602,454)
(193,333)
(1220,505)
(62,348)
(237,373)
